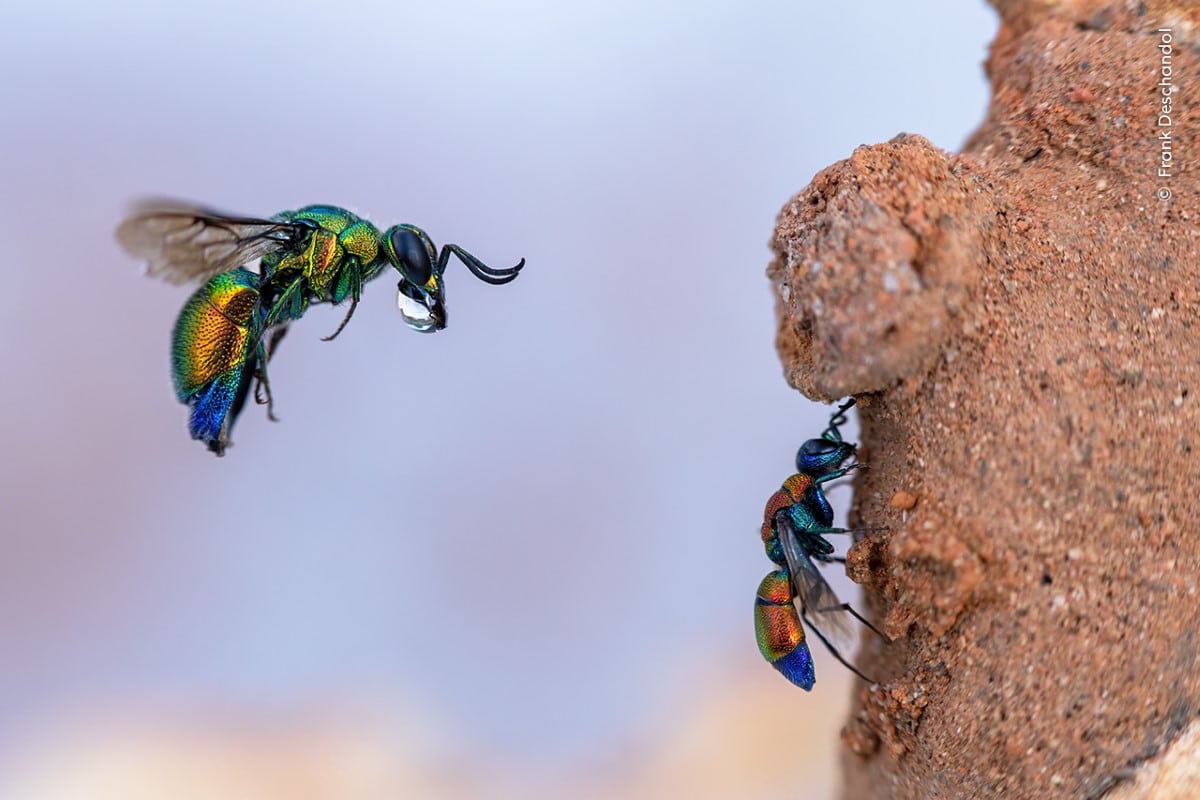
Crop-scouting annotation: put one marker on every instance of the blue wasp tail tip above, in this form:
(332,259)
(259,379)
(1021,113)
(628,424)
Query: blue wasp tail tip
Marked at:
(797,667)
(210,407)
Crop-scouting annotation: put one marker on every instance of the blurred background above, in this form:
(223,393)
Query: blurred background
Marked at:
(513,559)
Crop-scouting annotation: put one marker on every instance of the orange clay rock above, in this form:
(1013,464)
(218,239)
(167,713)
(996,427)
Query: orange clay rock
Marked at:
(1022,325)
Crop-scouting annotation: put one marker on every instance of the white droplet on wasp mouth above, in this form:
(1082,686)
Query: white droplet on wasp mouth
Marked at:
(416,315)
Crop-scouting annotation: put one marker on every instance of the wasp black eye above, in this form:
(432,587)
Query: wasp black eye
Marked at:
(411,256)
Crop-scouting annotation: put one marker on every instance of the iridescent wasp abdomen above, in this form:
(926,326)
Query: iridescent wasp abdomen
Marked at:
(214,353)
(229,328)
(795,522)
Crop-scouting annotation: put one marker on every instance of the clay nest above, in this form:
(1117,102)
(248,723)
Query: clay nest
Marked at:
(1021,325)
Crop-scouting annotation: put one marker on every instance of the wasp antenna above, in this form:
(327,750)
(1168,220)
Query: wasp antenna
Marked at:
(487,274)
(838,419)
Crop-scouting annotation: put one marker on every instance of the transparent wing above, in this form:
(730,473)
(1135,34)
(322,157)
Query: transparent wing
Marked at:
(814,598)
(183,243)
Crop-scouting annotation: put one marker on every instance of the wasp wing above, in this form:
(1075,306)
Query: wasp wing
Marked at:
(183,243)
(815,600)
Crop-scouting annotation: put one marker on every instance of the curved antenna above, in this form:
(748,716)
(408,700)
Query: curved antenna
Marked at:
(487,274)
(836,421)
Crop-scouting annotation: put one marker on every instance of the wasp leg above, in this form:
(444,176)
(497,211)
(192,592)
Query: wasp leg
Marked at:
(289,305)
(276,337)
(849,608)
(838,473)
(262,387)
(827,531)
(355,279)
(833,650)
(349,314)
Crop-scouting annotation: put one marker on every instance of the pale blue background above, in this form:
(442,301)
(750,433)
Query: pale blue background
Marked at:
(537,524)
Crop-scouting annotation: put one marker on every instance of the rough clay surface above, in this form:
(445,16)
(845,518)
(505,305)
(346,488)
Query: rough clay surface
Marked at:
(1021,324)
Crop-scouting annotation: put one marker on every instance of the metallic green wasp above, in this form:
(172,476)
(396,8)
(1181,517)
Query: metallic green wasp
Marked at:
(230,327)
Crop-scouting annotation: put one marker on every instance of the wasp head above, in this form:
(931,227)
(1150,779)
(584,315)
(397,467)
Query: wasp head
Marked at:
(421,297)
(822,456)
